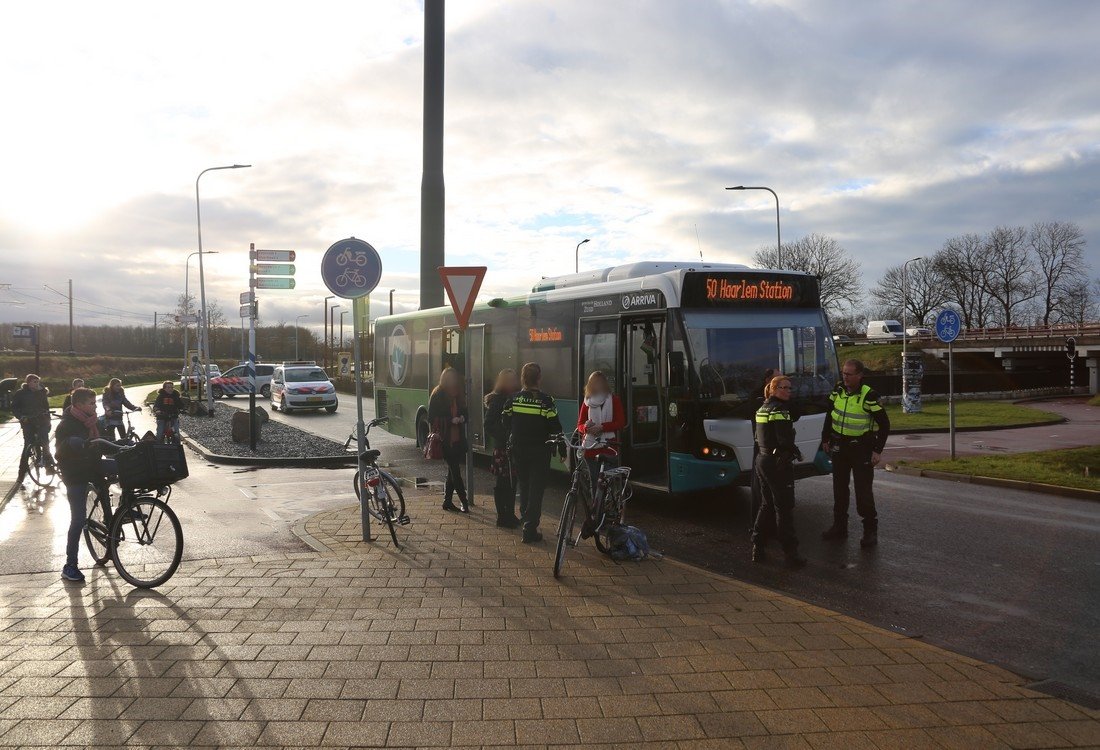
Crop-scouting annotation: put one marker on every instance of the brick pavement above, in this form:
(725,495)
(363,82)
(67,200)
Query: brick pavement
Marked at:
(464,639)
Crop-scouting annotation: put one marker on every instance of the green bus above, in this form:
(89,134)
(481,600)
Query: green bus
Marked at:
(686,346)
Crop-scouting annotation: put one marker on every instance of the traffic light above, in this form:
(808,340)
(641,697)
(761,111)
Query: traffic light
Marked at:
(1071,347)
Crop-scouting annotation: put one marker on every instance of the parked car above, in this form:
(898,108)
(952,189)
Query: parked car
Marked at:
(918,331)
(840,339)
(884,330)
(238,376)
(302,385)
(189,378)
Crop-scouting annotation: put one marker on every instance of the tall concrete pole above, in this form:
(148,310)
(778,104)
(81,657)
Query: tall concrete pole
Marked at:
(431,186)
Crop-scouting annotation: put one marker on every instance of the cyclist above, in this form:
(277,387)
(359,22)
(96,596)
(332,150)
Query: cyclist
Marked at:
(31,405)
(79,464)
(167,409)
(114,399)
(77,383)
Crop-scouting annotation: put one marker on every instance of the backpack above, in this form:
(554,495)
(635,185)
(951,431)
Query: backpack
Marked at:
(629,543)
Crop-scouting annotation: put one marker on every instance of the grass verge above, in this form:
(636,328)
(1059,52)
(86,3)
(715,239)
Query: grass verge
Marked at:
(1094,401)
(967,414)
(1064,468)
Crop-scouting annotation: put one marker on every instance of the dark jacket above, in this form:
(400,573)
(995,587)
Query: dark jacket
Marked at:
(77,461)
(530,418)
(113,403)
(29,403)
(167,405)
(494,419)
(775,431)
(440,414)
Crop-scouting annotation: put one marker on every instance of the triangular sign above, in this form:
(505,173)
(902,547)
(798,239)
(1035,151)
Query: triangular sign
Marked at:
(462,284)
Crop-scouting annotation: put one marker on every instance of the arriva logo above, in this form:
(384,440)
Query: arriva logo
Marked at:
(400,350)
(640,299)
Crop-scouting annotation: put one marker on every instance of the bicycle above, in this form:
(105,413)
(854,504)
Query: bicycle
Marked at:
(41,470)
(129,435)
(130,533)
(378,485)
(602,512)
(171,437)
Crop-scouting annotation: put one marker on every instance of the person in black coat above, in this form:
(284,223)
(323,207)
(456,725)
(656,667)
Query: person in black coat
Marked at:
(531,418)
(167,409)
(31,405)
(776,452)
(447,418)
(504,492)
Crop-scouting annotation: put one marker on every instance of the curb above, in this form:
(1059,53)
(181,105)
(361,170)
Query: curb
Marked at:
(302,462)
(1012,484)
(9,495)
(986,428)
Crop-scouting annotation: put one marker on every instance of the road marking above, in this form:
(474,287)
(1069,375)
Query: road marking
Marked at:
(271,514)
(247,493)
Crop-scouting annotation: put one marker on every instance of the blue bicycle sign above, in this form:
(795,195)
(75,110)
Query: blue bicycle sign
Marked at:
(351,268)
(947,326)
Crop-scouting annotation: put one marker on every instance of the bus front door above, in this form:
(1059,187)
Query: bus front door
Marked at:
(642,390)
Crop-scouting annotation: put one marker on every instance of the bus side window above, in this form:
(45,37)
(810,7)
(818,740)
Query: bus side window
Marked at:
(676,370)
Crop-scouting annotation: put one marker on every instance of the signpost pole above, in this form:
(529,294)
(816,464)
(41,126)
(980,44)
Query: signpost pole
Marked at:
(252,352)
(951,395)
(360,428)
(38,351)
(469,395)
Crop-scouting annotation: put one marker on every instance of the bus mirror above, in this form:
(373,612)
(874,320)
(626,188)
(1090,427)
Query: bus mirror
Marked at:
(676,369)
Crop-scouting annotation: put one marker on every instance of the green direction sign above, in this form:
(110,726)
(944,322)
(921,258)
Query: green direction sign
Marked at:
(273,269)
(276,283)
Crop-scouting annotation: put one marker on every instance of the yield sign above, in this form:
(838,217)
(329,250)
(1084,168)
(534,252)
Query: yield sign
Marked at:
(462,284)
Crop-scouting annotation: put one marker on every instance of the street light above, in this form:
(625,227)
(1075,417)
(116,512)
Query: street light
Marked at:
(778,243)
(906,406)
(186,296)
(296,357)
(391,300)
(577,262)
(331,334)
(324,324)
(202,284)
(342,314)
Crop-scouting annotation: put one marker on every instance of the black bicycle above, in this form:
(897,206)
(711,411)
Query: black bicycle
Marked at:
(385,501)
(139,533)
(602,512)
(36,454)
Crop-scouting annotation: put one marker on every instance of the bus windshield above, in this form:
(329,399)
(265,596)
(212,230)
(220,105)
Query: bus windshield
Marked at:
(732,352)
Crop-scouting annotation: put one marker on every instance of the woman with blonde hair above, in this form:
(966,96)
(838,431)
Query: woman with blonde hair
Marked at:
(601,417)
(447,416)
(114,399)
(776,454)
(504,492)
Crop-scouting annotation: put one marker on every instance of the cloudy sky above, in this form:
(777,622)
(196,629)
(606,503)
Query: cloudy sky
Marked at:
(890,126)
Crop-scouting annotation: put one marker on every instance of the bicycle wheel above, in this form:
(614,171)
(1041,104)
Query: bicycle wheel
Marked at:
(381,501)
(393,491)
(565,530)
(35,470)
(96,531)
(146,541)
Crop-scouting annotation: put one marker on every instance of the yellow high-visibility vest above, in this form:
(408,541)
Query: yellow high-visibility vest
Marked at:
(851,415)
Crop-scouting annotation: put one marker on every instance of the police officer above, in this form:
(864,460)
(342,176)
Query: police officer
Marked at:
(775,453)
(530,418)
(854,435)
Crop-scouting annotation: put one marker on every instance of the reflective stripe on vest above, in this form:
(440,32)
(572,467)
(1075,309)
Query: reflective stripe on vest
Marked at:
(763,416)
(851,417)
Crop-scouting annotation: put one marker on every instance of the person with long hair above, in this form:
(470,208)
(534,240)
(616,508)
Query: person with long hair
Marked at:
(447,416)
(775,456)
(531,417)
(114,399)
(600,418)
(504,492)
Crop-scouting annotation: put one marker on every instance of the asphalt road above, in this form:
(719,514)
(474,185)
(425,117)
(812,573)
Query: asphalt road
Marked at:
(1008,577)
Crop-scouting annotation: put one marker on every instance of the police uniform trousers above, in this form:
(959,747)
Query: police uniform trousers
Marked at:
(851,459)
(532,465)
(776,514)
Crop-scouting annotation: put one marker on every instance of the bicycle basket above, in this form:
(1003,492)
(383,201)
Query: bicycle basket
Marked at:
(151,465)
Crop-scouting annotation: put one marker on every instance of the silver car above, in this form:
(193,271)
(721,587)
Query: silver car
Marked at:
(302,386)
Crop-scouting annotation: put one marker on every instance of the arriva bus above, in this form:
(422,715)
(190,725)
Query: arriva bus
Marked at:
(685,345)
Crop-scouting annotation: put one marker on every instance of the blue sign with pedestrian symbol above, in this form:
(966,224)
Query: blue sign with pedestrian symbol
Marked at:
(947,326)
(351,268)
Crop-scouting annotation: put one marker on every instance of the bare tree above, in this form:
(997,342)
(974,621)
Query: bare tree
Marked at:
(837,272)
(1010,277)
(1058,248)
(851,322)
(962,266)
(925,292)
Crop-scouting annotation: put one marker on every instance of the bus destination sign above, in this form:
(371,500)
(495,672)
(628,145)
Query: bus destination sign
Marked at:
(749,289)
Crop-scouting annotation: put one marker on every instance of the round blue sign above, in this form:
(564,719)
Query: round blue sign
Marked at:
(948,326)
(351,268)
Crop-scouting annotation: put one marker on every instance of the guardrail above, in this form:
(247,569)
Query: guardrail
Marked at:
(995,334)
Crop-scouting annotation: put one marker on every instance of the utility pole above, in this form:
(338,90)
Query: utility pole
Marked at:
(155,352)
(432,205)
(72,351)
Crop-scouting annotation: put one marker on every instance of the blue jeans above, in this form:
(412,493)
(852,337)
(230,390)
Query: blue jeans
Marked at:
(78,515)
(174,423)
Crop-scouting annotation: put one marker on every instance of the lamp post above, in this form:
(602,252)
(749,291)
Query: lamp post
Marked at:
(331,334)
(577,260)
(907,407)
(391,300)
(342,314)
(186,296)
(324,341)
(778,242)
(202,284)
(296,357)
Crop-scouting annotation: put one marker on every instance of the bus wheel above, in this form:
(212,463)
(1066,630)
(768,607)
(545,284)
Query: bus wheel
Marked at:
(422,431)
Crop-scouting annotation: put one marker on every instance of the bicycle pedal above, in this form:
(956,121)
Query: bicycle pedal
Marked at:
(404,520)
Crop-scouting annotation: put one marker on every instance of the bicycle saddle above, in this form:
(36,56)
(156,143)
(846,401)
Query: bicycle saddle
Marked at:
(370,455)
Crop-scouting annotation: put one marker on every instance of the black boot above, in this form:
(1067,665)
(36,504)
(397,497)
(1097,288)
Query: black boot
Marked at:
(447,504)
(758,553)
(870,538)
(836,532)
(464,505)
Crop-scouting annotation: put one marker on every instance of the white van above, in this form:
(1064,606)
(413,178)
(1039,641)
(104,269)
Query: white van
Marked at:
(884,330)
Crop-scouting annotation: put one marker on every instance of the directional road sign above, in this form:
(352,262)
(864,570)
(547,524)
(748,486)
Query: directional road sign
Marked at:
(273,256)
(273,283)
(273,269)
(187,319)
(947,326)
(251,310)
(462,284)
(351,268)
(247,297)
(22,332)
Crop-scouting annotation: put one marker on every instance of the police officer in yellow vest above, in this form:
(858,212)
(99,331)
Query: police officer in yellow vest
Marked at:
(775,454)
(854,435)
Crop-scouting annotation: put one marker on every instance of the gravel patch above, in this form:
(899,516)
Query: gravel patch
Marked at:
(277,440)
